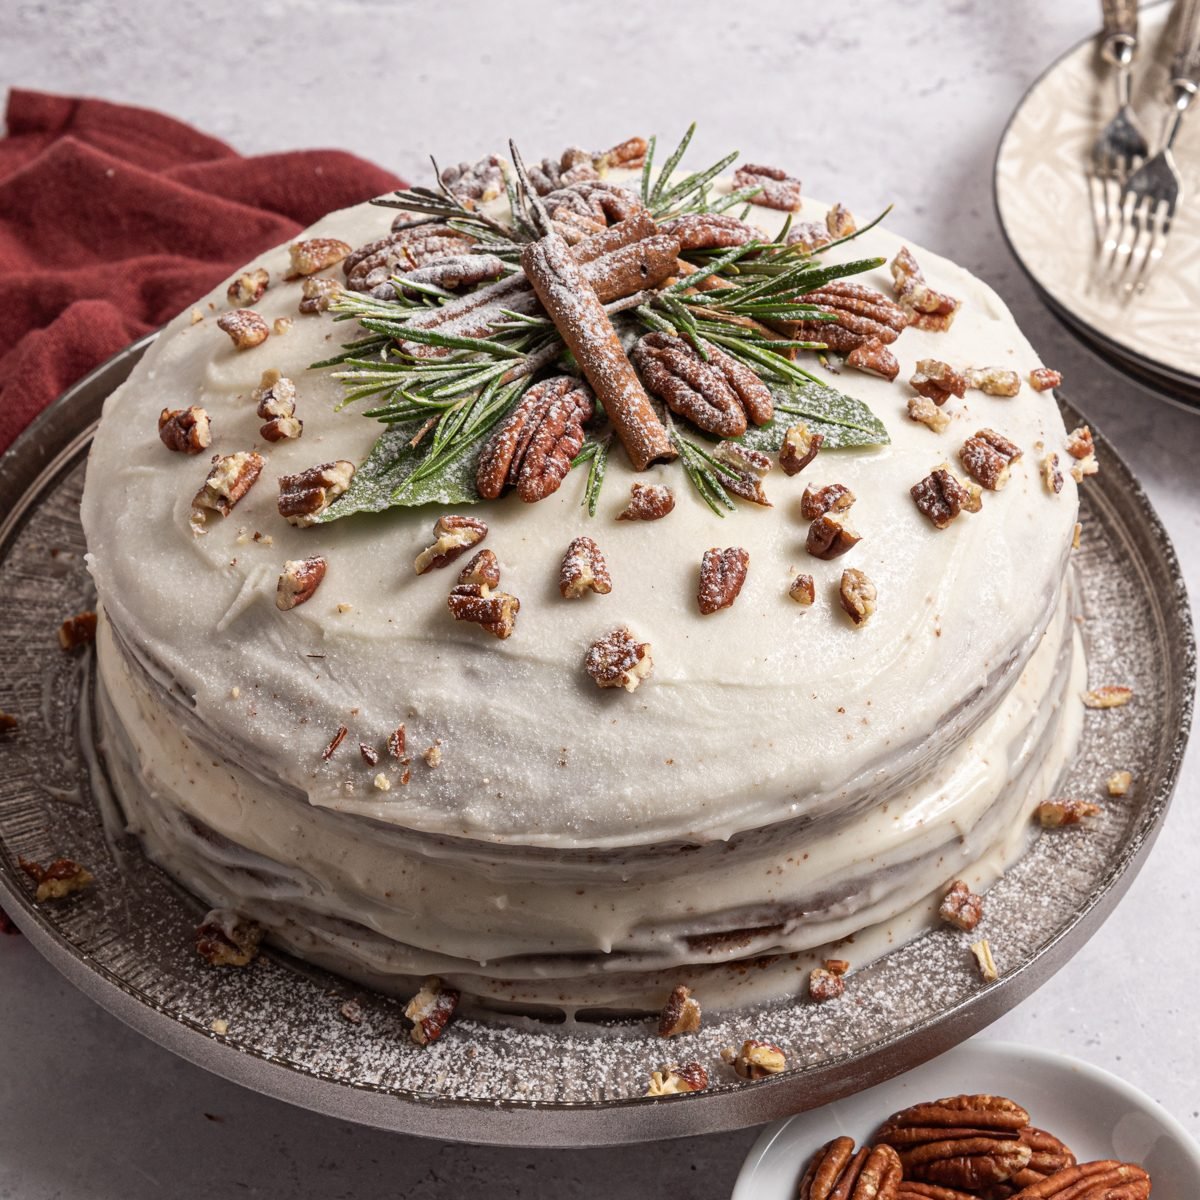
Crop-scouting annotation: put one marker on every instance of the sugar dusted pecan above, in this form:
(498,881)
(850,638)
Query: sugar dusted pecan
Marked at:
(583,570)
(872,357)
(229,479)
(404,249)
(430,1011)
(722,574)
(495,612)
(245,327)
(303,497)
(987,458)
(1042,379)
(275,398)
(584,206)
(857,595)
(836,1172)
(670,1080)
(840,221)
(1053,814)
(744,471)
(476,183)
(993,381)
(450,274)
(1102,1180)
(186,430)
(1052,476)
(629,154)
(681,1014)
(76,631)
(800,447)
(226,939)
(803,590)
(924,411)
(961,907)
(824,984)
(395,744)
(317,293)
(338,738)
(937,381)
(941,496)
(860,314)
(779,189)
(830,537)
(755,1060)
(62,878)
(483,570)
(248,288)
(299,581)
(1119,783)
(369,754)
(1108,696)
(1080,443)
(809,235)
(717,396)
(710,231)
(647,502)
(926,308)
(833,497)
(618,659)
(316,254)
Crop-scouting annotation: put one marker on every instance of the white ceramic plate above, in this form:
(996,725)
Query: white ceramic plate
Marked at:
(1045,210)
(1095,1113)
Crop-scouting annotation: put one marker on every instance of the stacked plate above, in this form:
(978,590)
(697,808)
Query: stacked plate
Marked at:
(1044,205)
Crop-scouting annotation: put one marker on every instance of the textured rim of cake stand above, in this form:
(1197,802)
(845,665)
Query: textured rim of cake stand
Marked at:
(55,440)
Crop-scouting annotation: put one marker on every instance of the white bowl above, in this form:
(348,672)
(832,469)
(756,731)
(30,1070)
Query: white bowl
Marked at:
(1094,1112)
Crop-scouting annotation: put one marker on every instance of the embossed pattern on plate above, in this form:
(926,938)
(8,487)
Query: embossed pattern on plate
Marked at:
(127,942)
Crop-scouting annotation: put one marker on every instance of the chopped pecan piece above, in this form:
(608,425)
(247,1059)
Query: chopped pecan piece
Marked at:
(961,906)
(680,1015)
(186,430)
(1076,535)
(840,221)
(300,579)
(315,255)
(1119,783)
(1108,696)
(647,502)
(432,754)
(1052,814)
(722,574)
(836,1172)
(858,595)
(744,471)
(496,612)
(62,878)
(454,536)
(994,381)
(351,1011)
(229,479)
(305,496)
(924,411)
(872,357)
(8,722)
(755,1060)
(982,950)
(316,294)
(938,381)
(281,325)
(1080,446)
(275,397)
(779,189)
(926,308)
(248,288)
(226,939)
(583,569)
(1102,1180)
(1042,379)
(833,497)
(800,447)
(476,183)
(802,590)
(830,537)
(618,659)
(395,743)
(245,327)
(709,231)
(987,458)
(483,569)
(810,235)
(669,1080)
(824,984)
(369,754)
(860,314)
(430,1011)
(76,631)
(1052,476)
(941,496)
(334,742)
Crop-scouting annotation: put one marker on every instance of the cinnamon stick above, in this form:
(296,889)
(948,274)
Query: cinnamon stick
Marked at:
(578,313)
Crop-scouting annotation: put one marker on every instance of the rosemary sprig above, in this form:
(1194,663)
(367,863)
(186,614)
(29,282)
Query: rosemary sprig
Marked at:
(597,454)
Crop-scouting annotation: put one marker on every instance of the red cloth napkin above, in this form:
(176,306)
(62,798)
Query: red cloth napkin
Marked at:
(113,219)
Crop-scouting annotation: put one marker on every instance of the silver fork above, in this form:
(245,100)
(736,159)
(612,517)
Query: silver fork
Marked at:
(1153,192)
(1120,146)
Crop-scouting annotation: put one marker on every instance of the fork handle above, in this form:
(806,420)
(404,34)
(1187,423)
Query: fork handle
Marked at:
(1185,63)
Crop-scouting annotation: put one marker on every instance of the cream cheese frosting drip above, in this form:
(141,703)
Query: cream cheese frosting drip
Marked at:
(755,715)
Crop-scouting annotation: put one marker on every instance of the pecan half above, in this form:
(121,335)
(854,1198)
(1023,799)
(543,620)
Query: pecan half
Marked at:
(630,154)
(316,254)
(483,569)
(305,496)
(926,308)
(275,398)
(229,479)
(803,590)
(913,1189)
(744,471)
(779,189)
(941,496)
(1102,1180)
(987,458)
(583,570)
(709,231)
(830,537)
(226,939)
(836,1172)
(430,1011)
(872,357)
(681,1014)
(248,288)
(1042,379)
(62,878)
(994,381)
(76,631)
(860,313)
(722,574)
(647,502)
(404,249)
(961,907)
(186,430)
(800,447)
(670,1080)
(755,1060)
(1052,476)
(495,612)
(476,183)
(925,412)
(245,327)
(618,659)
(454,536)
(833,497)
(300,579)
(1050,1155)
(938,381)
(824,984)
(857,595)
(1108,696)
(583,206)
(317,293)
(1053,814)
(717,396)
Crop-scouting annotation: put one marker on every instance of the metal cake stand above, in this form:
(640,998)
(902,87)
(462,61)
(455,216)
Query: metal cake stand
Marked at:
(277,1026)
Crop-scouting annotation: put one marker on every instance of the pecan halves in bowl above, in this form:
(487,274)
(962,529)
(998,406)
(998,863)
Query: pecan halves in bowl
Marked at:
(534,445)
(717,396)
(1106,1179)
(836,1172)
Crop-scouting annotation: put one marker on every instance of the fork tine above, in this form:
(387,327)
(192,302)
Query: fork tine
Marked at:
(1139,248)
(1160,228)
